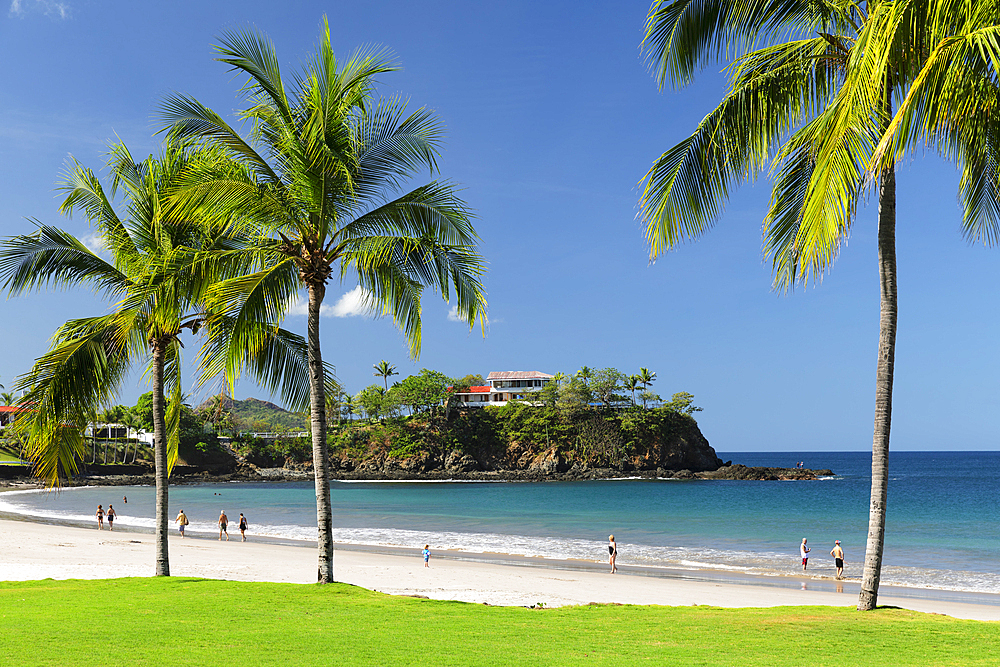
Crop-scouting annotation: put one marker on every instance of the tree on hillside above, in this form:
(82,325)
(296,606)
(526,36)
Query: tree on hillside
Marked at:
(318,185)
(630,384)
(605,384)
(683,402)
(829,96)
(384,370)
(157,292)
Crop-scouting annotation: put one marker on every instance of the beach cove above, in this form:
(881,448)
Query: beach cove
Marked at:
(734,538)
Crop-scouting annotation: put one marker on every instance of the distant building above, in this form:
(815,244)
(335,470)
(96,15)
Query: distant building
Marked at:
(504,386)
(8,413)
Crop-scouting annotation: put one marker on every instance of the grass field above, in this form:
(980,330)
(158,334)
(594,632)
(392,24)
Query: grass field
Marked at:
(172,621)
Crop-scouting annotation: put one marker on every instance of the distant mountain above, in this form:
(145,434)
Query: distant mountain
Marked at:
(254,414)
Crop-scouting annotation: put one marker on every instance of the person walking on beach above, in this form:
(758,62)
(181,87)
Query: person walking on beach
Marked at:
(111,517)
(100,517)
(182,521)
(838,559)
(243,526)
(223,523)
(612,553)
(427,554)
(804,552)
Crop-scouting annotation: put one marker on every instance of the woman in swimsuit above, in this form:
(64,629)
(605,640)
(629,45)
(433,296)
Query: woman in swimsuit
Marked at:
(100,517)
(111,517)
(613,553)
(243,526)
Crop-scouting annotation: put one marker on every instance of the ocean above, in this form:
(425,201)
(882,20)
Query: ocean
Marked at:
(941,530)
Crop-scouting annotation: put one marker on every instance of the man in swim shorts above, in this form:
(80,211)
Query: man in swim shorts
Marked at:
(804,552)
(111,517)
(223,523)
(838,559)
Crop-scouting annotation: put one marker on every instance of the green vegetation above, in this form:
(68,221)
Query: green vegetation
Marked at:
(829,97)
(318,186)
(177,621)
(595,437)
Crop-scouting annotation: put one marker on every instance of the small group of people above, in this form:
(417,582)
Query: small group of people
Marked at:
(182,521)
(110,515)
(837,552)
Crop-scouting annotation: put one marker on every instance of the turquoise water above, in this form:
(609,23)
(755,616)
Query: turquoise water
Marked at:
(942,526)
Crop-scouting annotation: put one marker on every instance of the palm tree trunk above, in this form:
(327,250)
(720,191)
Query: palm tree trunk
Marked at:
(321,455)
(160,459)
(883,389)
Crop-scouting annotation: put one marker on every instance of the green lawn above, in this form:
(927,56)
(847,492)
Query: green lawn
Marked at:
(197,621)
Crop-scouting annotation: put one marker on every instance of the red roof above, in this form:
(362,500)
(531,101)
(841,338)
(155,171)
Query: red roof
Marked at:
(473,390)
(11,408)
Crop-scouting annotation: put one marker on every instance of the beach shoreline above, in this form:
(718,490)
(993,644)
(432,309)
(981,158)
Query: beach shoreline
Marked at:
(35,551)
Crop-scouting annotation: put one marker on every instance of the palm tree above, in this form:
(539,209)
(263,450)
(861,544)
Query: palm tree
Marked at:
(319,181)
(157,290)
(829,96)
(7,397)
(646,378)
(632,383)
(384,370)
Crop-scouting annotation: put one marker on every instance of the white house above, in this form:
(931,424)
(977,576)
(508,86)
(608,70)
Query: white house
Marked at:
(504,386)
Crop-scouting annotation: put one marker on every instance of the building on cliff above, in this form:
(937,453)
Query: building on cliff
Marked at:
(504,386)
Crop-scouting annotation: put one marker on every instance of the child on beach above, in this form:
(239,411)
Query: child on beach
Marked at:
(100,517)
(427,554)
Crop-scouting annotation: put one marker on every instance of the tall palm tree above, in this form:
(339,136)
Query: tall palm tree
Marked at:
(632,383)
(646,378)
(157,289)
(384,370)
(320,180)
(829,95)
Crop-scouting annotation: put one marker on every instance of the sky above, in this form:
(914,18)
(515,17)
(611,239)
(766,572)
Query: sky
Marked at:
(552,118)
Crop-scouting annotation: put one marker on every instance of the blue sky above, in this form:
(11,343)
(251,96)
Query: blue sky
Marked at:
(552,119)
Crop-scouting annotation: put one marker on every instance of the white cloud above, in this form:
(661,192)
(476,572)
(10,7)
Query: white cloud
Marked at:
(453,314)
(95,242)
(50,8)
(355,302)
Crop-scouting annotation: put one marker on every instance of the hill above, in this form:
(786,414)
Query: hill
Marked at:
(251,414)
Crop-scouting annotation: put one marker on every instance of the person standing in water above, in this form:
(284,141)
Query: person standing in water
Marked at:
(838,559)
(804,552)
(223,524)
(427,555)
(100,517)
(243,526)
(612,553)
(111,517)
(182,521)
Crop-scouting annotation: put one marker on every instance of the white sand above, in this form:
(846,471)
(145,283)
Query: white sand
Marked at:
(38,551)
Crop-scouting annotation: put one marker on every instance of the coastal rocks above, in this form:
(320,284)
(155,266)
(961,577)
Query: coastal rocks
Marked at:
(742,472)
(458,462)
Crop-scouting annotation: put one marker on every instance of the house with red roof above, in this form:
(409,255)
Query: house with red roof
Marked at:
(504,386)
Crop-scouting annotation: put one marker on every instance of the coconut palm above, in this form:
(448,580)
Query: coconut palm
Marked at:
(631,383)
(646,378)
(829,95)
(156,279)
(7,397)
(320,182)
(384,370)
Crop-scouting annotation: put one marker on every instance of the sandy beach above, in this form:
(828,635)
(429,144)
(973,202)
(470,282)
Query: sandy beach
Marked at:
(38,551)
